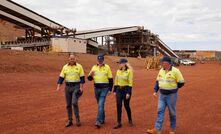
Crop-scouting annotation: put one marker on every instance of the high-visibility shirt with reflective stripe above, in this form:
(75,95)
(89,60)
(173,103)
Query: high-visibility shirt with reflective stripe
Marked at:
(124,78)
(168,79)
(101,74)
(72,73)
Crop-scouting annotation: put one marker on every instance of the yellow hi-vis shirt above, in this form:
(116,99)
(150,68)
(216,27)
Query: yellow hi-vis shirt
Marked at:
(72,73)
(124,78)
(101,74)
(168,79)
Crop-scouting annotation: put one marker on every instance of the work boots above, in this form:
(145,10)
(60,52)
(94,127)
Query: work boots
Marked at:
(69,123)
(118,125)
(98,124)
(78,122)
(130,122)
(153,131)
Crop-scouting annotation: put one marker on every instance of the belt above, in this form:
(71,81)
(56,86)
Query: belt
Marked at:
(122,87)
(72,83)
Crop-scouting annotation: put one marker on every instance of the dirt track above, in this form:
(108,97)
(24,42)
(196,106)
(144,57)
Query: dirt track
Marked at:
(29,103)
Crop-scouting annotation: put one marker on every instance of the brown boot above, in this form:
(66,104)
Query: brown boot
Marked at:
(172,132)
(153,131)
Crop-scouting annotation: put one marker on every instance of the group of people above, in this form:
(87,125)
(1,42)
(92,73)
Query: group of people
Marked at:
(169,80)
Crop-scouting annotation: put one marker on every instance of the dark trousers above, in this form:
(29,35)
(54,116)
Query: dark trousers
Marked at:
(72,100)
(121,97)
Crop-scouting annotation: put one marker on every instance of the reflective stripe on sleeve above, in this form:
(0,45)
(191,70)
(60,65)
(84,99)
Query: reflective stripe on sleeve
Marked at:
(181,81)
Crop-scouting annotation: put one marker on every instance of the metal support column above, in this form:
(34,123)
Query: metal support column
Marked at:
(29,33)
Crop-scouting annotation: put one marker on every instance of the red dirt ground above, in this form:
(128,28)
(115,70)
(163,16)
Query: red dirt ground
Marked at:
(29,103)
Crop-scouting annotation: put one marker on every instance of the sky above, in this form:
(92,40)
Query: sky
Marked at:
(181,24)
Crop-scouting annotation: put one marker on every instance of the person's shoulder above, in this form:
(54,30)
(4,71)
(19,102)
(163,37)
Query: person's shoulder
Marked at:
(66,65)
(118,70)
(94,66)
(129,70)
(106,65)
(78,64)
(161,70)
(175,69)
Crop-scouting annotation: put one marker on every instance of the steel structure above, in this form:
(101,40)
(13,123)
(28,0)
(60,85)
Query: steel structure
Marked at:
(31,21)
(130,41)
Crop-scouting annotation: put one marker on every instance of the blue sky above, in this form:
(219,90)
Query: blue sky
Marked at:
(183,24)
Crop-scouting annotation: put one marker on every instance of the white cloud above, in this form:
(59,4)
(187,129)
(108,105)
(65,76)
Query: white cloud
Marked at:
(191,37)
(180,21)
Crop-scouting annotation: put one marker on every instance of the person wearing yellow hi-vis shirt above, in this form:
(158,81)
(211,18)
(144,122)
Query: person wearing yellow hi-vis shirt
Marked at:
(103,82)
(169,80)
(73,74)
(123,90)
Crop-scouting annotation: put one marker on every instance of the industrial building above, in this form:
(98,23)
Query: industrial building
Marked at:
(198,54)
(36,32)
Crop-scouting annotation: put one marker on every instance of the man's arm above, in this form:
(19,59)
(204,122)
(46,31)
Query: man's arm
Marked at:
(82,77)
(110,84)
(110,78)
(180,79)
(179,85)
(90,75)
(60,79)
(156,87)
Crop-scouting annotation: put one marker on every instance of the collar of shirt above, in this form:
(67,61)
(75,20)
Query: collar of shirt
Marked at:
(101,65)
(124,69)
(169,69)
(72,65)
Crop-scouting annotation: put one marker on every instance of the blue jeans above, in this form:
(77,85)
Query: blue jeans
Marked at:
(163,102)
(100,94)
